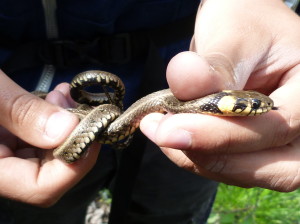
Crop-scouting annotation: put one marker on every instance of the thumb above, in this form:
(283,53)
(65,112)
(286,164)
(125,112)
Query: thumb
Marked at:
(229,45)
(191,76)
(32,119)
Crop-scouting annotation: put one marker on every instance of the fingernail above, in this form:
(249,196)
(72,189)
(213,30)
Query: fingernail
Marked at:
(178,139)
(58,123)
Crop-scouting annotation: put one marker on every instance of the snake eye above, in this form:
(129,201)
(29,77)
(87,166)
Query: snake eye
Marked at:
(255,104)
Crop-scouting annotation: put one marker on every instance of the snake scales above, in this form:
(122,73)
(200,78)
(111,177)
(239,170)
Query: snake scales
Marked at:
(102,117)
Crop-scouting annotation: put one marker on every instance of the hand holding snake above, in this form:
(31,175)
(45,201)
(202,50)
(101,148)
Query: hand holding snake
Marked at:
(103,120)
(242,46)
(263,151)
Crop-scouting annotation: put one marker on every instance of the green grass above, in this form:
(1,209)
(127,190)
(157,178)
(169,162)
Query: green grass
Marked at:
(236,205)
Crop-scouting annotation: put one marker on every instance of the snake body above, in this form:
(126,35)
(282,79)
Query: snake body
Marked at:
(108,124)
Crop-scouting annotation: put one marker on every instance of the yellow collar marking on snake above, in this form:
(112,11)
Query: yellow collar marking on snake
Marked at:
(105,122)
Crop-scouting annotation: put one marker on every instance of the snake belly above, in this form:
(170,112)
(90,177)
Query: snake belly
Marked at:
(107,123)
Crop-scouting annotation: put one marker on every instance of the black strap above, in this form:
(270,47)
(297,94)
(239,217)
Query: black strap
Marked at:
(131,159)
(105,49)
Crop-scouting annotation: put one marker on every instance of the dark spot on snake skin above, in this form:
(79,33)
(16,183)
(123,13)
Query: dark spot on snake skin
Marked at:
(212,105)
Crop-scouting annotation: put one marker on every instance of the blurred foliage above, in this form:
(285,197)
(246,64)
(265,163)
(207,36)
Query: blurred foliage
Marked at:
(104,197)
(236,205)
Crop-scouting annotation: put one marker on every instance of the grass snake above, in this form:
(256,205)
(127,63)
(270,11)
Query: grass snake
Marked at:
(102,117)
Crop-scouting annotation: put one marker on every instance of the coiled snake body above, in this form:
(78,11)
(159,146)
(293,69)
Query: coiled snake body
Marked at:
(108,124)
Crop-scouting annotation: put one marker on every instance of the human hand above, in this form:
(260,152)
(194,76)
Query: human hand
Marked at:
(249,44)
(27,124)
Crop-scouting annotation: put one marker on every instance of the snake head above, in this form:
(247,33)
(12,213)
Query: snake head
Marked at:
(251,103)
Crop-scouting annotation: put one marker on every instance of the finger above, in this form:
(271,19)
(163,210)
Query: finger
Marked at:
(276,168)
(32,119)
(191,76)
(5,151)
(42,183)
(57,98)
(64,88)
(211,134)
(61,96)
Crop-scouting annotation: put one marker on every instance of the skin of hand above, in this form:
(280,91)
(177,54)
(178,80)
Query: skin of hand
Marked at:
(237,44)
(27,124)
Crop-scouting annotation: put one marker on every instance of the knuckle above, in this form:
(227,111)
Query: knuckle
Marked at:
(289,130)
(287,179)
(217,163)
(285,184)
(291,182)
(23,109)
